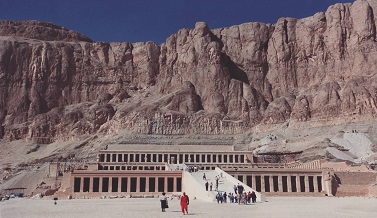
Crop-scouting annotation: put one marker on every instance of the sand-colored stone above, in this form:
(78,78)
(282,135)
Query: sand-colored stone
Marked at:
(223,81)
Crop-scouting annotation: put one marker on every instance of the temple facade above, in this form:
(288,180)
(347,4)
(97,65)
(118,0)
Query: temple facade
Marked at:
(148,172)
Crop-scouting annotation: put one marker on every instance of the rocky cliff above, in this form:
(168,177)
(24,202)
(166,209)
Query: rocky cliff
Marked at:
(58,84)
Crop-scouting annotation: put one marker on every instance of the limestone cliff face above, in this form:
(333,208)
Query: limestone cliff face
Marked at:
(58,84)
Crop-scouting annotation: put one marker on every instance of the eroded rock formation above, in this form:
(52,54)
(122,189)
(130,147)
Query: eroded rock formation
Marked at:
(58,84)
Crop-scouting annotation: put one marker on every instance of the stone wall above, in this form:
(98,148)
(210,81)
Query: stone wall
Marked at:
(354,183)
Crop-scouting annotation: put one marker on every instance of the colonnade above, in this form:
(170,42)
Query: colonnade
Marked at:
(126,184)
(283,182)
(174,157)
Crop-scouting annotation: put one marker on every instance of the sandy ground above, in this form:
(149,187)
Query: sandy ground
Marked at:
(275,207)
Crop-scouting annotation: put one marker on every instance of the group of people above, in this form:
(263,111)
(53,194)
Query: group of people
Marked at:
(243,198)
(210,185)
(239,196)
(184,202)
(192,169)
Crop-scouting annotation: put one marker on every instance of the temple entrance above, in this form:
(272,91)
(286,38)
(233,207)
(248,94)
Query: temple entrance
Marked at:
(173,159)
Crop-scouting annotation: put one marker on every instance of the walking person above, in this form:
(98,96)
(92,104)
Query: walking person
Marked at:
(185,201)
(210,186)
(224,197)
(253,197)
(204,176)
(219,197)
(217,183)
(206,184)
(164,202)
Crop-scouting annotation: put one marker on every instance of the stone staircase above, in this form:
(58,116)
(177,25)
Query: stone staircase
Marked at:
(226,184)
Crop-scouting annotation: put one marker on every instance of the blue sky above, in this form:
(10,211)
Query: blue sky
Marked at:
(154,20)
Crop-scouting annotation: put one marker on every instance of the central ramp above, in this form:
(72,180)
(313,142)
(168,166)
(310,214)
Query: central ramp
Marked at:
(194,184)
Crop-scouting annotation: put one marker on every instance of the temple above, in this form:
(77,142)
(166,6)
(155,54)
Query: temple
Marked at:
(148,170)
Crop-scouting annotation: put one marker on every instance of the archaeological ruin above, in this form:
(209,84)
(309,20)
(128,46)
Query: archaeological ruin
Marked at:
(148,172)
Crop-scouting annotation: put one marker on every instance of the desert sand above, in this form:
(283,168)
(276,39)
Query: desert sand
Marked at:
(274,207)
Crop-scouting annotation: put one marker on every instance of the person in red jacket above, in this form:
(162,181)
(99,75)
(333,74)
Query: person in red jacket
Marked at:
(185,201)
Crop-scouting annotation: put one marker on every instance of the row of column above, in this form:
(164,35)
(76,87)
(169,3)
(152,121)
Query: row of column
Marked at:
(127,184)
(131,167)
(173,158)
(283,183)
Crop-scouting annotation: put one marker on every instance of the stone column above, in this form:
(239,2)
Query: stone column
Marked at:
(263,184)
(138,184)
(100,184)
(174,184)
(147,184)
(280,183)
(128,184)
(298,184)
(315,183)
(244,180)
(169,161)
(253,182)
(165,184)
(289,183)
(91,180)
(156,184)
(110,184)
(306,179)
(271,180)
(119,184)
(82,184)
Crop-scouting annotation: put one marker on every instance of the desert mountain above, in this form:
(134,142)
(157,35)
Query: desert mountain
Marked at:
(58,86)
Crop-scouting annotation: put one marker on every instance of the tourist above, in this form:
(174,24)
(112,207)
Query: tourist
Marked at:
(210,186)
(206,184)
(185,201)
(204,176)
(219,198)
(253,197)
(217,183)
(164,202)
(224,197)
(248,197)
(240,188)
(244,198)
